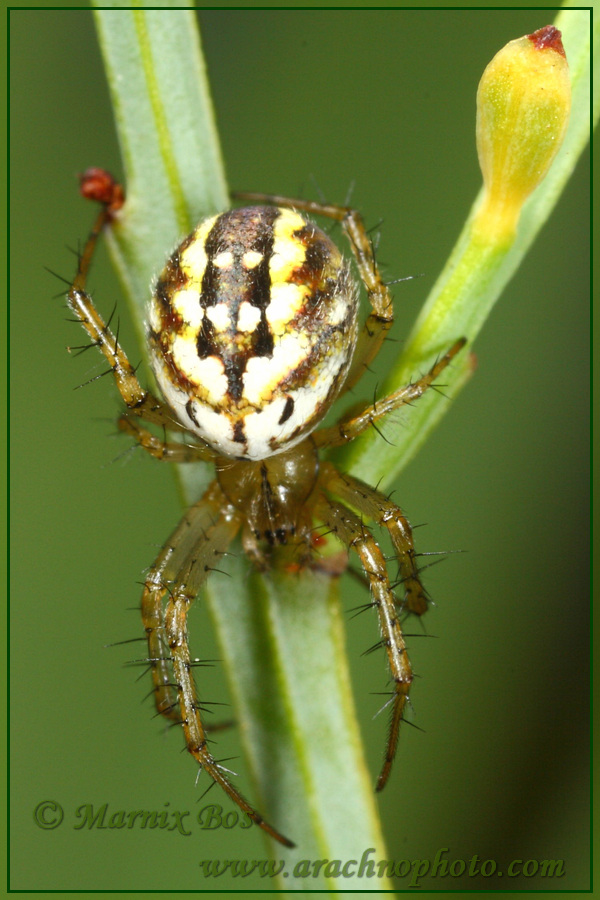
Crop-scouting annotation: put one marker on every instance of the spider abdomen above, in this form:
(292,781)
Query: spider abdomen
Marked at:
(252,329)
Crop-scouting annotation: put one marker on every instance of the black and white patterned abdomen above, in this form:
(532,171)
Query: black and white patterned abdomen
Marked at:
(252,329)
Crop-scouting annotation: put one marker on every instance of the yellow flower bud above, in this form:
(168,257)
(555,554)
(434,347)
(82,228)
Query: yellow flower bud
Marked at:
(523,105)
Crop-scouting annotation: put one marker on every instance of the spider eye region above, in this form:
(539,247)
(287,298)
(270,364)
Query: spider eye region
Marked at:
(252,328)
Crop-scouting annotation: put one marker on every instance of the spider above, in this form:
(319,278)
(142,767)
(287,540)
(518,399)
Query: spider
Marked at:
(253,333)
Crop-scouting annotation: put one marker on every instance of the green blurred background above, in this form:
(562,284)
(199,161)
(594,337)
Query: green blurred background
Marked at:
(306,101)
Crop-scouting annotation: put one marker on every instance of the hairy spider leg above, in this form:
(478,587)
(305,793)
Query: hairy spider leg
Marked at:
(138,401)
(170,451)
(352,532)
(386,514)
(176,553)
(381,317)
(351,426)
(178,575)
(376,506)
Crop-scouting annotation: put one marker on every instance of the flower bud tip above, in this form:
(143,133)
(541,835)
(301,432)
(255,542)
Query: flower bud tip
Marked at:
(547,38)
(523,105)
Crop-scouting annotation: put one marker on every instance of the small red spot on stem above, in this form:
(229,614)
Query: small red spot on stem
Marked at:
(100,186)
(547,38)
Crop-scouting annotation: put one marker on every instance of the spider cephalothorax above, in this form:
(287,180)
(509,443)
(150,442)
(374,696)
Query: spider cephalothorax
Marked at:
(252,334)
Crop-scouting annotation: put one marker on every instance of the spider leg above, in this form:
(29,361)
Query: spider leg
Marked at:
(171,451)
(178,549)
(139,401)
(380,319)
(351,426)
(179,573)
(352,532)
(378,507)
